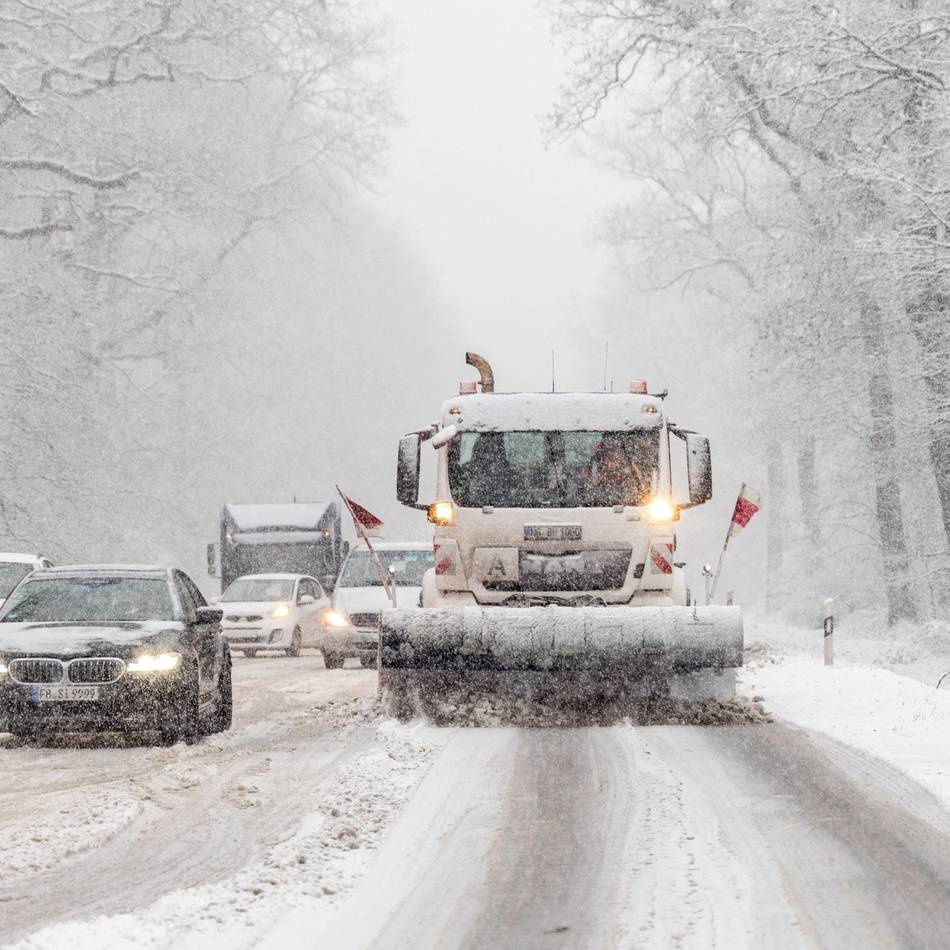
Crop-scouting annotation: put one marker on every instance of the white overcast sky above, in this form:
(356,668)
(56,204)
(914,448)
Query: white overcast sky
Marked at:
(501,221)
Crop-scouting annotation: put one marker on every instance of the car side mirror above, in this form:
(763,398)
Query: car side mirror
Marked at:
(407,470)
(698,469)
(305,600)
(208,614)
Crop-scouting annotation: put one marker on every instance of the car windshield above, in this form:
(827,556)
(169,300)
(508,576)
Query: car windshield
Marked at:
(11,573)
(529,469)
(406,566)
(90,599)
(258,590)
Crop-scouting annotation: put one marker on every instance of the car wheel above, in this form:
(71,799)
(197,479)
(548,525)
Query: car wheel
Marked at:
(295,641)
(333,661)
(185,724)
(250,654)
(368,660)
(224,707)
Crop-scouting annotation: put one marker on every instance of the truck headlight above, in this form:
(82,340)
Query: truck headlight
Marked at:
(660,510)
(154,663)
(442,512)
(280,611)
(335,618)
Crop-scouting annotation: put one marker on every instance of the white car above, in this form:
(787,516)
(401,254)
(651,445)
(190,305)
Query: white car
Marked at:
(351,627)
(273,612)
(14,567)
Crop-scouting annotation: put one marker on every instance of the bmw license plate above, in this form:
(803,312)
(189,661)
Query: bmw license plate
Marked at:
(64,694)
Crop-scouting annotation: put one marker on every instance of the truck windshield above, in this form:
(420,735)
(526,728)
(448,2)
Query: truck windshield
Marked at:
(90,599)
(531,469)
(406,566)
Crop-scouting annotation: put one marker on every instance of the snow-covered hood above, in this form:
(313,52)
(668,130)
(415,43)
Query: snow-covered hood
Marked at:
(237,608)
(366,600)
(89,639)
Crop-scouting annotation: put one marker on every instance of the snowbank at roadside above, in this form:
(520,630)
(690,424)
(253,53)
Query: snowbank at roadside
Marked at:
(901,720)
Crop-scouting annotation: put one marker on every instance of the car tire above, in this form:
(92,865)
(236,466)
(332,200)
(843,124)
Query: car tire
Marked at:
(250,654)
(368,660)
(186,724)
(295,642)
(333,661)
(224,707)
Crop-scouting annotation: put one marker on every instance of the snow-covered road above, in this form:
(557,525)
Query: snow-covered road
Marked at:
(315,823)
(750,836)
(111,826)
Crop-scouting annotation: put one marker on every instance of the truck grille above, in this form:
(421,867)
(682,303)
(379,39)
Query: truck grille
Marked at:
(364,620)
(96,669)
(30,671)
(577,571)
(247,618)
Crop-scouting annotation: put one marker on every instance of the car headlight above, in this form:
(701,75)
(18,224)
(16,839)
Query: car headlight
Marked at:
(335,618)
(280,611)
(154,663)
(3,669)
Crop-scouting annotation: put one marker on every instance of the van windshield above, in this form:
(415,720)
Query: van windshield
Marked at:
(407,567)
(533,469)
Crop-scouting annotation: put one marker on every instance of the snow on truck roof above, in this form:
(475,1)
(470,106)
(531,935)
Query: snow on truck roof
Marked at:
(553,412)
(305,516)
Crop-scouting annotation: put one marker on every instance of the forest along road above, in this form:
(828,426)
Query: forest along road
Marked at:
(115,823)
(655,836)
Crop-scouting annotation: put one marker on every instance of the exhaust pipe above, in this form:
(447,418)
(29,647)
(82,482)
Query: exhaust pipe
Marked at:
(484,370)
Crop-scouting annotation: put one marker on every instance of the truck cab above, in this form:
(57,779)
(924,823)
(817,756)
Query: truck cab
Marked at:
(554,498)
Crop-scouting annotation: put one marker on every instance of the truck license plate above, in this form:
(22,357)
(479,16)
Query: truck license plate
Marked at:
(552,532)
(64,694)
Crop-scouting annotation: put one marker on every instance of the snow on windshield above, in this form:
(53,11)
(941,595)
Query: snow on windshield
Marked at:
(407,567)
(259,590)
(90,599)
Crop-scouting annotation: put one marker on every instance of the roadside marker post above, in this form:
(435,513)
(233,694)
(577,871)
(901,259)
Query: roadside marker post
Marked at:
(828,611)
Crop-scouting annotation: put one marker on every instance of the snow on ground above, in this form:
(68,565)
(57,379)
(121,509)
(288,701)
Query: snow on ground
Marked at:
(302,879)
(901,719)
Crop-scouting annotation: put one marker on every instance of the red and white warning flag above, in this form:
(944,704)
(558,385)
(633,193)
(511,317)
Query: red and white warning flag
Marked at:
(369,526)
(366,523)
(747,504)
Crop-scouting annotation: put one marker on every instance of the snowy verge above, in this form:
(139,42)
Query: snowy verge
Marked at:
(894,718)
(302,880)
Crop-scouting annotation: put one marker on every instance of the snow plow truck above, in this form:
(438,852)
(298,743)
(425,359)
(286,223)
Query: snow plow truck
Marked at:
(555,573)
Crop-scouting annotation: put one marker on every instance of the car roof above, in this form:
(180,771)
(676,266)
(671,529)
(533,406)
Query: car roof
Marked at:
(12,557)
(274,577)
(124,570)
(395,546)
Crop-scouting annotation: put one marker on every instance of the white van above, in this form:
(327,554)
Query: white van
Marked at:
(350,628)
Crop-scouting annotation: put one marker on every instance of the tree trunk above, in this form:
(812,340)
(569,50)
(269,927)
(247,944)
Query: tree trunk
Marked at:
(808,502)
(881,442)
(928,315)
(775,533)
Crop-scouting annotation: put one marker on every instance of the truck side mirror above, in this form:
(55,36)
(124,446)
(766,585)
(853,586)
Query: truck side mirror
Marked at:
(698,468)
(212,560)
(407,471)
